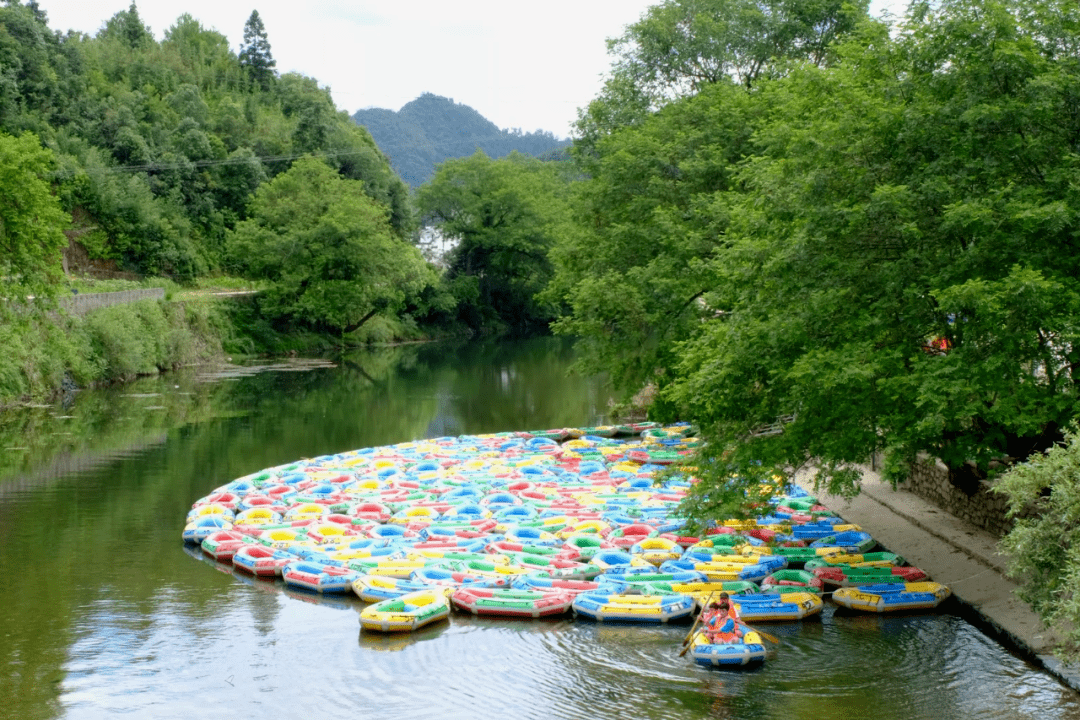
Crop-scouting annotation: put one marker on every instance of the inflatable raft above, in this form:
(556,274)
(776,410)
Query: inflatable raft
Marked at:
(768,606)
(892,597)
(749,651)
(406,613)
(376,588)
(262,561)
(511,602)
(792,581)
(847,576)
(634,608)
(318,577)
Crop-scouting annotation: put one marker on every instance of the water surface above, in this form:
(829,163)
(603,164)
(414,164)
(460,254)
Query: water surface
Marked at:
(106,613)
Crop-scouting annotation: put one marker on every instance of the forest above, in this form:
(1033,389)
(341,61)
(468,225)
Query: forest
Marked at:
(817,235)
(155,152)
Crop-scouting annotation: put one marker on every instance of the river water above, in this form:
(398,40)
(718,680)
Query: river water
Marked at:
(105,613)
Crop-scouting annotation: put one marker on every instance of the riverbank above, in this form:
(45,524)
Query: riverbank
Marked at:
(48,353)
(957,554)
(113,337)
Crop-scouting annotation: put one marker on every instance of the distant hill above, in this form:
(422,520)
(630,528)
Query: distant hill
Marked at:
(431,129)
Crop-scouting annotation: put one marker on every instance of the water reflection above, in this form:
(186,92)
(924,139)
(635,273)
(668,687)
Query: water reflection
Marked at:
(106,613)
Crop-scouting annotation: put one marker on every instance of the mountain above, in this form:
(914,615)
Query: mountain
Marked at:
(431,129)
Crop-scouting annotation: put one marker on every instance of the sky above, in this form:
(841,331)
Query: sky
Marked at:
(520,65)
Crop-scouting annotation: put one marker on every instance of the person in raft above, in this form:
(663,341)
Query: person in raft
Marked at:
(722,622)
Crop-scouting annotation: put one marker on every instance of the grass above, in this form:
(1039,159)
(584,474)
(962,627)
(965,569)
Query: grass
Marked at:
(43,352)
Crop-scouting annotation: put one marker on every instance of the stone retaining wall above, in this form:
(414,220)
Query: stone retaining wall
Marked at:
(82,304)
(984,509)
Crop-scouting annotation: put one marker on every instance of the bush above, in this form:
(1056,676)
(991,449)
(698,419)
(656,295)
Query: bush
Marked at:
(108,345)
(1044,499)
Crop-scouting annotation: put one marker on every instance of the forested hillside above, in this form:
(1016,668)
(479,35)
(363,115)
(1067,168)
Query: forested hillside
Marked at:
(159,158)
(431,129)
(159,146)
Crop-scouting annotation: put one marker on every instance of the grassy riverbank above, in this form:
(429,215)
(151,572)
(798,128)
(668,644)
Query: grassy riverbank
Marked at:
(46,353)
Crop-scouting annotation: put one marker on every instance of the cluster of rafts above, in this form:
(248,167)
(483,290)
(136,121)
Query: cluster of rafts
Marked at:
(536,524)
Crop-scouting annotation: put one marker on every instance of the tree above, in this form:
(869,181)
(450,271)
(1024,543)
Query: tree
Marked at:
(127,27)
(31,221)
(901,275)
(660,147)
(255,57)
(875,255)
(503,216)
(204,57)
(651,224)
(680,47)
(327,250)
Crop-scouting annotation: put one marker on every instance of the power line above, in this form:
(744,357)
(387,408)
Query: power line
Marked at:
(154,167)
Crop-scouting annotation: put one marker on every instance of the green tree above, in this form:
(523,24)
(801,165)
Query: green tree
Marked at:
(680,47)
(203,56)
(31,221)
(40,75)
(255,57)
(127,27)
(503,217)
(651,226)
(326,249)
(901,276)
(1044,500)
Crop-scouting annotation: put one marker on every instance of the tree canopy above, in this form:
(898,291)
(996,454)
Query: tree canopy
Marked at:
(900,278)
(680,47)
(255,57)
(502,217)
(31,221)
(160,145)
(869,255)
(327,250)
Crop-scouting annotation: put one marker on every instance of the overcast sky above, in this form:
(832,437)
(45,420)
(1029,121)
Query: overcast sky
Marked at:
(520,65)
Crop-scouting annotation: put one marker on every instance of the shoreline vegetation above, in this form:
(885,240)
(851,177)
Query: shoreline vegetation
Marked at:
(55,352)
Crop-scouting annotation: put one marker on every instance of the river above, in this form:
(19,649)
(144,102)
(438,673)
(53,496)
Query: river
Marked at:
(105,613)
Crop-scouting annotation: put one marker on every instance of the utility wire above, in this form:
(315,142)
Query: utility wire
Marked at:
(153,167)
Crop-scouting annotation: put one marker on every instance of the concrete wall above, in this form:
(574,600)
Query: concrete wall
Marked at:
(984,509)
(82,304)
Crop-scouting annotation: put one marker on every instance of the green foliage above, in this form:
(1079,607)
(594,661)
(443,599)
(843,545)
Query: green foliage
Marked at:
(107,345)
(653,220)
(327,250)
(680,47)
(38,354)
(255,57)
(431,129)
(886,210)
(1043,495)
(127,27)
(870,254)
(160,146)
(31,221)
(503,216)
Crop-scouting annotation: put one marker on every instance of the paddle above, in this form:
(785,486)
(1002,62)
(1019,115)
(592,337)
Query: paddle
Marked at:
(693,628)
(762,633)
